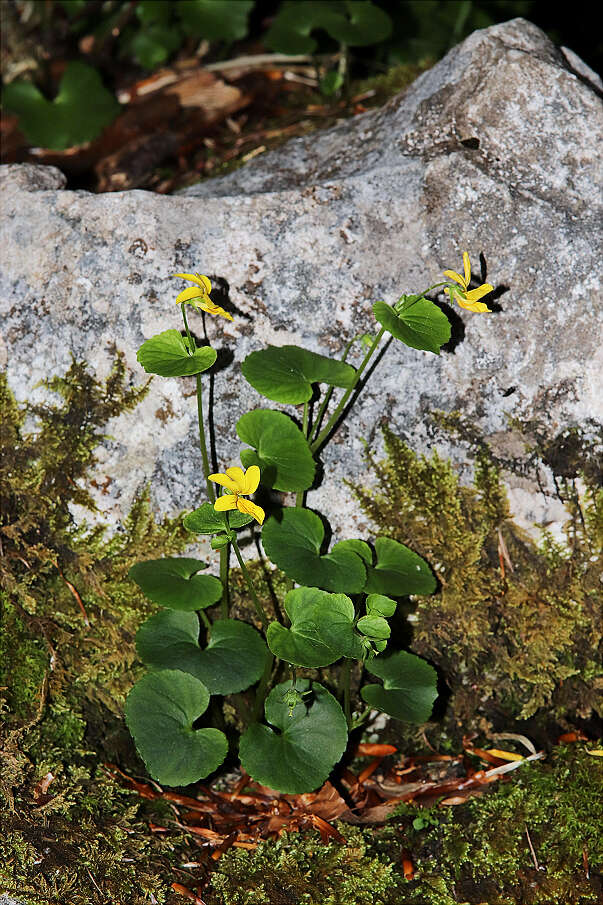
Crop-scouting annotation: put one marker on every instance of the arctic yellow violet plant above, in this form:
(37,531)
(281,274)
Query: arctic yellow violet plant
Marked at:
(295,729)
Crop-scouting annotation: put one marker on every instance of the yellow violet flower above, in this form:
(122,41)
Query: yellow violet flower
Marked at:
(240,484)
(467,298)
(198,295)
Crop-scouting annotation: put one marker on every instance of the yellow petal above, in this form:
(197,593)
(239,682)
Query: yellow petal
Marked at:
(453,275)
(197,278)
(191,292)
(208,305)
(237,476)
(595,752)
(475,294)
(467,268)
(225,481)
(249,508)
(476,307)
(252,479)
(226,502)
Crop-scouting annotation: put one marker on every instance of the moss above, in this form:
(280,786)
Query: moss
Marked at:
(302,870)
(513,641)
(68,620)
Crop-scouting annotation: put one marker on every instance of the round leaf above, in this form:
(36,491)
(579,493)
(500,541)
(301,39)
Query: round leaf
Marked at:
(166,354)
(160,711)
(309,741)
(205,520)
(374,627)
(286,373)
(216,20)
(399,571)
(233,660)
(419,324)
(409,687)
(293,544)
(378,605)
(322,629)
(283,454)
(172,582)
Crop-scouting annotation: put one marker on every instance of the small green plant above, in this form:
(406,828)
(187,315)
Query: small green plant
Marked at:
(296,730)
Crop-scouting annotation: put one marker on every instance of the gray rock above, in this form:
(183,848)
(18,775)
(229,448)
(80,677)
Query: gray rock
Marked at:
(496,150)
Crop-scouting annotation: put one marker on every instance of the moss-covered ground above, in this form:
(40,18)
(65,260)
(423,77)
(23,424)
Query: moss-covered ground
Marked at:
(516,649)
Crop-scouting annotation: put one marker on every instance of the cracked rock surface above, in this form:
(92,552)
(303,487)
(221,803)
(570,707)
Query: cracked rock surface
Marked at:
(496,150)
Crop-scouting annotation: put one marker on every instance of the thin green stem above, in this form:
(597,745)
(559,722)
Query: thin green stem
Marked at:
(224,605)
(343,401)
(206,469)
(347,669)
(299,499)
(260,694)
(259,608)
(329,393)
(205,620)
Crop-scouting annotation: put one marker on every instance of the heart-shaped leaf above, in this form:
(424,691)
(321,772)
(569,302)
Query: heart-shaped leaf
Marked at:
(160,711)
(167,354)
(205,520)
(409,687)
(283,454)
(216,20)
(286,373)
(355,23)
(399,571)
(173,582)
(234,658)
(293,544)
(79,112)
(322,629)
(374,627)
(419,323)
(378,605)
(310,739)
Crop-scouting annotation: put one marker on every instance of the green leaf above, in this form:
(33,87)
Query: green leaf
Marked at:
(233,659)
(283,454)
(378,605)
(322,629)
(331,83)
(293,544)
(205,520)
(419,324)
(309,740)
(160,711)
(166,354)
(79,112)
(286,373)
(374,627)
(151,46)
(353,22)
(172,582)
(409,687)
(216,20)
(399,571)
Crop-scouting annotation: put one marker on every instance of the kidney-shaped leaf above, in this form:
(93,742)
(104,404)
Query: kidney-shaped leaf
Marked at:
(283,454)
(374,627)
(293,544)
(419,323)
(409,687)
(173,582)
(160,711)
(322,629)
(205,520)
(399,571)
(286,373)
(310,739)
(166,354)
(378,605)
(234,658)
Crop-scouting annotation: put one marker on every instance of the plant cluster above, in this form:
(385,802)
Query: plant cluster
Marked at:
(296,730)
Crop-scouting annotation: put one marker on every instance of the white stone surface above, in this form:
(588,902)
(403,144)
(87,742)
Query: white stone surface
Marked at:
(307,237)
